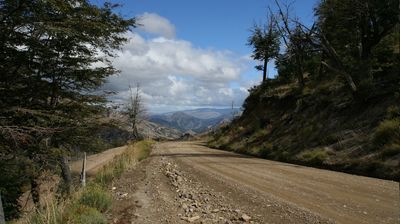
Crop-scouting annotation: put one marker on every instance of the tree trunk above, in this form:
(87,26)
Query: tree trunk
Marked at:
(299,72)
(265,70)
(348,77)
(35,191)
(66,175)
(339,68)
(321,68)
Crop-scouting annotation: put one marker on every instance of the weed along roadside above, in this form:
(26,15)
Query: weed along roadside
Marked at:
(87,205)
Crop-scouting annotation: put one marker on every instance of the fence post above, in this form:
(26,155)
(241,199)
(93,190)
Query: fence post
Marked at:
(2,215)
(83,173)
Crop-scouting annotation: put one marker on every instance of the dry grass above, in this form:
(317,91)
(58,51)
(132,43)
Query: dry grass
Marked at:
(85,205)
(135,152)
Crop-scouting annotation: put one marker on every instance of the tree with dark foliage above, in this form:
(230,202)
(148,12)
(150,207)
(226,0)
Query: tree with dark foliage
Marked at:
(49,57)
(265,42)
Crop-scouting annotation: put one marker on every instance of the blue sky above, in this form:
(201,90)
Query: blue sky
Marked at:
(215,31)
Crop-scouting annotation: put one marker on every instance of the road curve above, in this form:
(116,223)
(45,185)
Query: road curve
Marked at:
(336,196)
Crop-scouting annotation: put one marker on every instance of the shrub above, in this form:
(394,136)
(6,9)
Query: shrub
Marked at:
(393,112)
(96,197)
(50,214)
(330,139)
(387,132)
(284,156)
(144,148)
(390,150)
(82,214)
(266,150)
(315,157)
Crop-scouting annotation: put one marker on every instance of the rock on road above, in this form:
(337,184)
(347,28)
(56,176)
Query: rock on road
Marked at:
(263,191)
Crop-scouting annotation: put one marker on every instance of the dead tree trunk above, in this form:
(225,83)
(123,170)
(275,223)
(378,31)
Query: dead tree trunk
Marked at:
(35,191)
(338,68)
(66,175)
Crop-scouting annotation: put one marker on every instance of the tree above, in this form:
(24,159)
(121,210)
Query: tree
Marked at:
(136,111)
(265,42)
(53,57)
(352,29)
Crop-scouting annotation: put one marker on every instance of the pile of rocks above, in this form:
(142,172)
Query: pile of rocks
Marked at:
(200,204)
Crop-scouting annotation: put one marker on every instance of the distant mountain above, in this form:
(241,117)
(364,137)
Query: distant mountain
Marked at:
(198,120)
(146,129)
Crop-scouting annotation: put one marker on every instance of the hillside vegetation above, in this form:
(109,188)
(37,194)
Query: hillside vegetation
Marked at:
(322,126)
(335,102)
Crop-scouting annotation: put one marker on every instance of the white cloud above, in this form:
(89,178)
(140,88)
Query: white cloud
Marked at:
(174,74)
(155,24)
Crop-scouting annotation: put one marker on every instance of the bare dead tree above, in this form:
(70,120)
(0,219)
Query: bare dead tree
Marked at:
(293,41)
(318,39)
(136,111)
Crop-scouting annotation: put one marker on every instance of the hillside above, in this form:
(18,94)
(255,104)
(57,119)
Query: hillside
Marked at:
(324,126)
(146,128)
(198,120)
(156,131)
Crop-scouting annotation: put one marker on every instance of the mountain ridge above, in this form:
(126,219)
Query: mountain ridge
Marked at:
(196,120)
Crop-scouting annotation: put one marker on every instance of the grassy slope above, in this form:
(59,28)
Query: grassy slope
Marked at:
(323,126)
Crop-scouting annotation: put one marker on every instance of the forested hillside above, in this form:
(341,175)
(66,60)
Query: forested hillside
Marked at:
(335,102)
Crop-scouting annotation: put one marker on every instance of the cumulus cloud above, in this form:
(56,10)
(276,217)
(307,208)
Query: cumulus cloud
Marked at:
(174,74)
(155,24)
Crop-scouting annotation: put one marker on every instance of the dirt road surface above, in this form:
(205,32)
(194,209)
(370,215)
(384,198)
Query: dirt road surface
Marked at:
(185,182)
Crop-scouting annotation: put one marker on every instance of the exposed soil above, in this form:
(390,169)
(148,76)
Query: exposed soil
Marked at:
(185,182)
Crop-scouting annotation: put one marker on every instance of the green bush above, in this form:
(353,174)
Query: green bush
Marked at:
(387,132)
(284,156)
(330,139)
(82,214)
(393,112)
(96,197)
(390,150)
(265,150)
(315,157)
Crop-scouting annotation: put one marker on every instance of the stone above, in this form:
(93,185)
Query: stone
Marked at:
(245,218)
(193,219)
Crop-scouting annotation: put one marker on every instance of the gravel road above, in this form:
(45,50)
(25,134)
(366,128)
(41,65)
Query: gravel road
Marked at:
(186,182)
